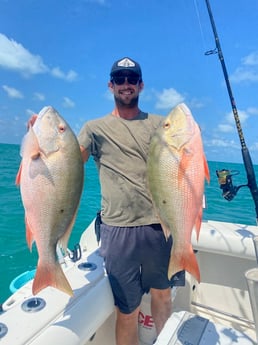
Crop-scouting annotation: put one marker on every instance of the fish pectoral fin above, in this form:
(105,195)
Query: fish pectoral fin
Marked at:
(29,234)
(184,261)
(50,275)
(166,230)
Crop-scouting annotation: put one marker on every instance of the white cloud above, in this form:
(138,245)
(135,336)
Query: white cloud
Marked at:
(69,76)
(222,134)
(195,103)
(225,128)
(242,114)
(248,70)
(251,59)
(39,96)
(30,112)
(12,92)
(219,142)
(254,146)
(252,110)
(242,74)
(168,98)
(98,2)
(15,57)
(228,125)
(109,95)
(68,103)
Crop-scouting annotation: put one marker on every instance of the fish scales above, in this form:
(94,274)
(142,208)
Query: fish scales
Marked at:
(51,181)
(176,170)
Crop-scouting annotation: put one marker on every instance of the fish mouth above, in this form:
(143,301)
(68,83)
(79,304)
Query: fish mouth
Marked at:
(44,111)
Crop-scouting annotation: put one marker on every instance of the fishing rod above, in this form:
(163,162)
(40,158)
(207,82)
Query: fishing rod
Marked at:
(229,190)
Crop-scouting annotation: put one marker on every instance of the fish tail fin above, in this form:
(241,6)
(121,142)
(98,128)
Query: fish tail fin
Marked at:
(186,261)
(49,275)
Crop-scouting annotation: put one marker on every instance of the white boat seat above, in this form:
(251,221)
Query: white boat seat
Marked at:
(186,328)
(232,239)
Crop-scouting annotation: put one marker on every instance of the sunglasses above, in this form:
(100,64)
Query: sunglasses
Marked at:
(120,80)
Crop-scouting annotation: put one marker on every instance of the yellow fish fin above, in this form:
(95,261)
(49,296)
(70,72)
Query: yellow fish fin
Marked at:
(184,261)
(166,230)
(50,275)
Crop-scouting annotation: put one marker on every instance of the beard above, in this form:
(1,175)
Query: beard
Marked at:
(126,102)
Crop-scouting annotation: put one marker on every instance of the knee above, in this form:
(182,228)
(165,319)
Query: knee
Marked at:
(161,296)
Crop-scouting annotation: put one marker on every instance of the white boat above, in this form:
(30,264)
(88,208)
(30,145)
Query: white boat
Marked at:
(216,311)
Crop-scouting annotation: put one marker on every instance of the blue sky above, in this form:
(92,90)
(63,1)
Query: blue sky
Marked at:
(60,53)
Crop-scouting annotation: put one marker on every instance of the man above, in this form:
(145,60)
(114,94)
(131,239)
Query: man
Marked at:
(134,248)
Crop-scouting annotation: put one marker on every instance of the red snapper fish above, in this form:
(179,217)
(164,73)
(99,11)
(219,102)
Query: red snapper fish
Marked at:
(51,181)
(176,170)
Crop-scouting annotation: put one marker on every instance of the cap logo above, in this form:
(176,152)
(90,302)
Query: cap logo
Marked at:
(126,63)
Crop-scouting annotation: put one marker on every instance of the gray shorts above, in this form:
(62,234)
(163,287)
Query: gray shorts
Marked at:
(136,259)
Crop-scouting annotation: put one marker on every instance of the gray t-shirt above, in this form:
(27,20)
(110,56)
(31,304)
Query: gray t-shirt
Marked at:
(120,149)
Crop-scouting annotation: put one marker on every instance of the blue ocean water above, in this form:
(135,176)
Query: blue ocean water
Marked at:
(15,257)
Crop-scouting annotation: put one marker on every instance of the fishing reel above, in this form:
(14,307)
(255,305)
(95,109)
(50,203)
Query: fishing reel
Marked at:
(229,191)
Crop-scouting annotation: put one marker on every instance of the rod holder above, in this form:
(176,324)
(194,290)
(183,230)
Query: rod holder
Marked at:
(252,284)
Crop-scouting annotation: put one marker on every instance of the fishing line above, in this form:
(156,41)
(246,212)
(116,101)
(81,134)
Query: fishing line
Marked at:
(200,24)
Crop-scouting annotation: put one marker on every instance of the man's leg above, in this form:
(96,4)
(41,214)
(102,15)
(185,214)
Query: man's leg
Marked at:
(161,307)
(127,328)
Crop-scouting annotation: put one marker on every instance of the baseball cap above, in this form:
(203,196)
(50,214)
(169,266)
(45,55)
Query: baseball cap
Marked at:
(126,64)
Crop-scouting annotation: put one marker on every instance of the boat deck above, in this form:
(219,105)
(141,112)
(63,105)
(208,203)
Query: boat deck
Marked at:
(215,312)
